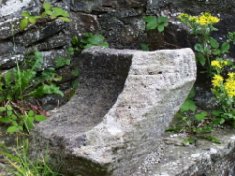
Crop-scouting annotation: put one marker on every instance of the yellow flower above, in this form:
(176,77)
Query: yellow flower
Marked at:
(219,64)
(217,80)
(206,19)
(231,75)
(216,64)
(230,87)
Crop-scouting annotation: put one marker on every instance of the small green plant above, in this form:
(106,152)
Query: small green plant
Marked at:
(49,12)
(88,40)
(197,124)
(223,88)
(19,162)
(156,23)
(62,61)
(207,48)
(23,83)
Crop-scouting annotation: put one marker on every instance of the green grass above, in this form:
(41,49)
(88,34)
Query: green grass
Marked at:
(19,162)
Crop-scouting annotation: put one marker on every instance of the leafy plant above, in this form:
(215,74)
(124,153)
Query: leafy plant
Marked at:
(49,12)
(20,163)
(223,88)
(88,40)
(207,48)
(156,23)
(23,83)
(197,124)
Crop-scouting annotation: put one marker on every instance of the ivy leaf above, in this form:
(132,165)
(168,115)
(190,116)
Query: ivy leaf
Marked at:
(188,105)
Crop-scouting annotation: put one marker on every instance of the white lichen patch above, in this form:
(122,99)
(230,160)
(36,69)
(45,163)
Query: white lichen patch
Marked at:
(13,6)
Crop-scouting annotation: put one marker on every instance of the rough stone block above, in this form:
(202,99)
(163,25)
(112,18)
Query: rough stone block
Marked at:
(125,101)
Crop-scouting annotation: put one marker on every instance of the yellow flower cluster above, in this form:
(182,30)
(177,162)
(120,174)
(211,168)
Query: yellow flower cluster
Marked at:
(217,80)
(206,18)
(203,19)
(230,85)
(219,64)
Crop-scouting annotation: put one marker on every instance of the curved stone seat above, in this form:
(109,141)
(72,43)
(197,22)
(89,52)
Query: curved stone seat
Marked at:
(125,101)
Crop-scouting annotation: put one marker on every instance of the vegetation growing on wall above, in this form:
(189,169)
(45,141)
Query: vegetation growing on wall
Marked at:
(212,55)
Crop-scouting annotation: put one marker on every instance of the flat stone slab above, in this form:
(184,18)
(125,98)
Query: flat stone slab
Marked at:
(125,101)
(203,159)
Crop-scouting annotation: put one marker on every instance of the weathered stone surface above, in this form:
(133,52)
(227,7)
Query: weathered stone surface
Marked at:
(204,159)
(125,101)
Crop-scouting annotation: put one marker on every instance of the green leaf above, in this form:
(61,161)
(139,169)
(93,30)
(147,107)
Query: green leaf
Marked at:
(151,22)
(201,116)
(216,52)
(5,120)
(225,47)
(25,14)
(212,139)
(33,19)
(144,47)
(214,43)
(39,118)
(201,59)
(160,28)
(47,90)
(65,19)
(2,109)
(59,12)
(61,62)
(14,129)
(188,105)
(31,113)
(24,23)
(198,47)
(47,6)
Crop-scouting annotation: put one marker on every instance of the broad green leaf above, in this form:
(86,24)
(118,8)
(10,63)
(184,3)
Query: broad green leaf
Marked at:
(47,90)
(25,14)
(14,129)
(39,118)
(5,120)
(198,47)
(65,19)
(33,19)
(188,105)
(47,6)
(160,28)
(24,23)
(59,12)
(151,22)
(61,62)
(201,59)
(225,47)
(201,116)
(214,43)
(144,46)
